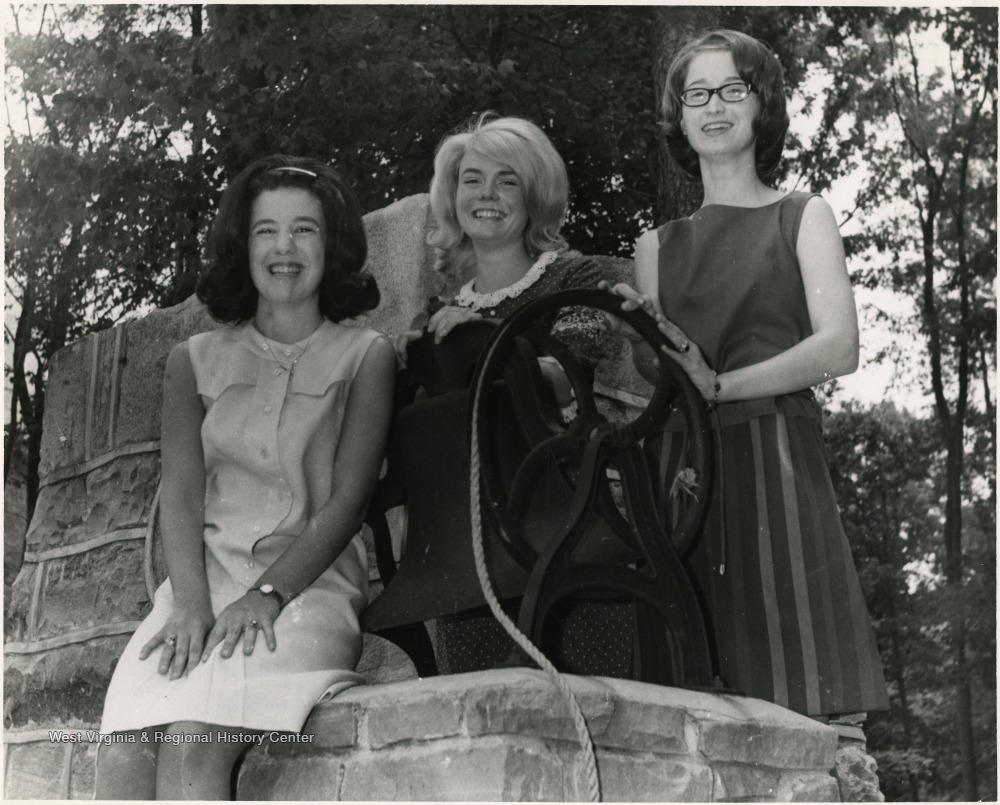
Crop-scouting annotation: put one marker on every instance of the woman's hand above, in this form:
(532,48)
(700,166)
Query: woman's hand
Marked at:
(401,343)
(246,616)
(689,356)
(182,638)
(632,300)
(447,318)
(686,353)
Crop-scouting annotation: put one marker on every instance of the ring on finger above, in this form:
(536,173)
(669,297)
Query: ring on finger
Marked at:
(171,640)
(252,625)
(684,347)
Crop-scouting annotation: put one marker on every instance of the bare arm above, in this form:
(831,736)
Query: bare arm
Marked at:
(646,298)
(182,517)
(831,350)
(355,472)
(647,279)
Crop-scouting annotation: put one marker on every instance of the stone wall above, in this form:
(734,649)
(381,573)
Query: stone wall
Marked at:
(507,735)
(92,561)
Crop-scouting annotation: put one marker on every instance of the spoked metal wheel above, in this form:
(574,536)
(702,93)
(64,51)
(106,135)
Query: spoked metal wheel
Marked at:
(574,503)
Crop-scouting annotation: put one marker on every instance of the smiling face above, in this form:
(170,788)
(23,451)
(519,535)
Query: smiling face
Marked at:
(718,128)
(489,202)
(286,247)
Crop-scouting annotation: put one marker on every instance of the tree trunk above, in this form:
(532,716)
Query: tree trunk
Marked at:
(897,667)
(30,415)
(33,429)
(955,578)
(953,429)
(10,438)
(676,195)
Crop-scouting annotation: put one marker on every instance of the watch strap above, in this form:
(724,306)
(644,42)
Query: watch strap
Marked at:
(271,593)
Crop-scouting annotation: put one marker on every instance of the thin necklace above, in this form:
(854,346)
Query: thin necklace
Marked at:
(305,345)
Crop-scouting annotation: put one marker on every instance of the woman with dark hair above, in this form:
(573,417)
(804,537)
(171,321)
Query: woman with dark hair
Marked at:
(753,293)
(273,432)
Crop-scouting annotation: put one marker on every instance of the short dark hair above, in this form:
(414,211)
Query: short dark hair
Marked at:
(225,285)
(757,65)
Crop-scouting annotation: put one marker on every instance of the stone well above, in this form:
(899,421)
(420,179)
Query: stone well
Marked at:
(92,562)
(507,735)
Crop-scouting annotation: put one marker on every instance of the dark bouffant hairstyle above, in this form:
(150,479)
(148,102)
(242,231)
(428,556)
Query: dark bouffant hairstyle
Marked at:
(758,66)
(225,285)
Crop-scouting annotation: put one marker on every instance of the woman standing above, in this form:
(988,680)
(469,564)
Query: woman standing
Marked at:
(753,293)
(273,433)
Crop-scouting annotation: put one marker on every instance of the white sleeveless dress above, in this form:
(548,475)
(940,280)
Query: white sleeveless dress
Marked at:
(273,415)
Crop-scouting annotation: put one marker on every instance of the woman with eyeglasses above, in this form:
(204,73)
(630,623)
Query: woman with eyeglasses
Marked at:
(753,294)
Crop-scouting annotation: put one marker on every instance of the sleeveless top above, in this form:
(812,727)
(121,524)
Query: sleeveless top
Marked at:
(273,419)
(736,290)
(273,414)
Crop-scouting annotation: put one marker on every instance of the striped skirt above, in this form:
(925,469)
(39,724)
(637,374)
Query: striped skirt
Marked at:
(788,620)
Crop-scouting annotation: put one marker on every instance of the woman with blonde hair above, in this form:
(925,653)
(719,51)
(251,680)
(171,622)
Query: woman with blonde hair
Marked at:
(499,198)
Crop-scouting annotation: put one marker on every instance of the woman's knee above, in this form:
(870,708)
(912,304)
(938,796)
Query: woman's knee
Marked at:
(199,745)
(196,761)
(126,766)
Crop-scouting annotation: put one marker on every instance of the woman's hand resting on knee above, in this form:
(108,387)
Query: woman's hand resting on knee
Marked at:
(182,638)
(244,618)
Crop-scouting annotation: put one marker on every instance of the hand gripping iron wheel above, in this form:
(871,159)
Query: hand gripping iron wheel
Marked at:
(574,503)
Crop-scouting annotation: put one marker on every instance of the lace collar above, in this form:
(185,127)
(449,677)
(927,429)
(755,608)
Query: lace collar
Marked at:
(469,298)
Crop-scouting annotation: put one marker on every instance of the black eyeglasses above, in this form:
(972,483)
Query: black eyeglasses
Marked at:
(730,93)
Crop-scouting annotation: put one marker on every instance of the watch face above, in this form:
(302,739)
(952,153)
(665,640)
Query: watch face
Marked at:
(267,589)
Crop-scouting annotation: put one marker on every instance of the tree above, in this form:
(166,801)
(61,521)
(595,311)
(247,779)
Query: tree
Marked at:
(394,80)
(99,215)
(677,196)
(925,131)
(888,469)
(136,116)
(133,118)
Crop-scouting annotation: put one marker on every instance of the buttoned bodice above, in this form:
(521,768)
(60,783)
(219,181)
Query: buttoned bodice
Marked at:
(273,414)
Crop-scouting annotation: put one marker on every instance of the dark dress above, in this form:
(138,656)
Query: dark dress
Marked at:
(580,329)
(597,636)
(789,621)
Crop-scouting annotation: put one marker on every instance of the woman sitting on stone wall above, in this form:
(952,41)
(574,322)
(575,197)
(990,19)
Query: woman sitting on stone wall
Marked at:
(272,438)
(499,198)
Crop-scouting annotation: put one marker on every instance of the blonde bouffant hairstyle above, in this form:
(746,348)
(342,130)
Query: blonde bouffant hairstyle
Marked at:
(528,151)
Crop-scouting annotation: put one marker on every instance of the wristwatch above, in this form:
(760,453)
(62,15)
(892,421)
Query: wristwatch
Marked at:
(271,592)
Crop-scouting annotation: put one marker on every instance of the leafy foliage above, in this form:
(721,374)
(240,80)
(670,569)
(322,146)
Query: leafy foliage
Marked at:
(888,470)
(131,118)
(914,105)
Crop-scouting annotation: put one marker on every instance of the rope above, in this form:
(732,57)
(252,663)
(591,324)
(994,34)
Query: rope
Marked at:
(583,733)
